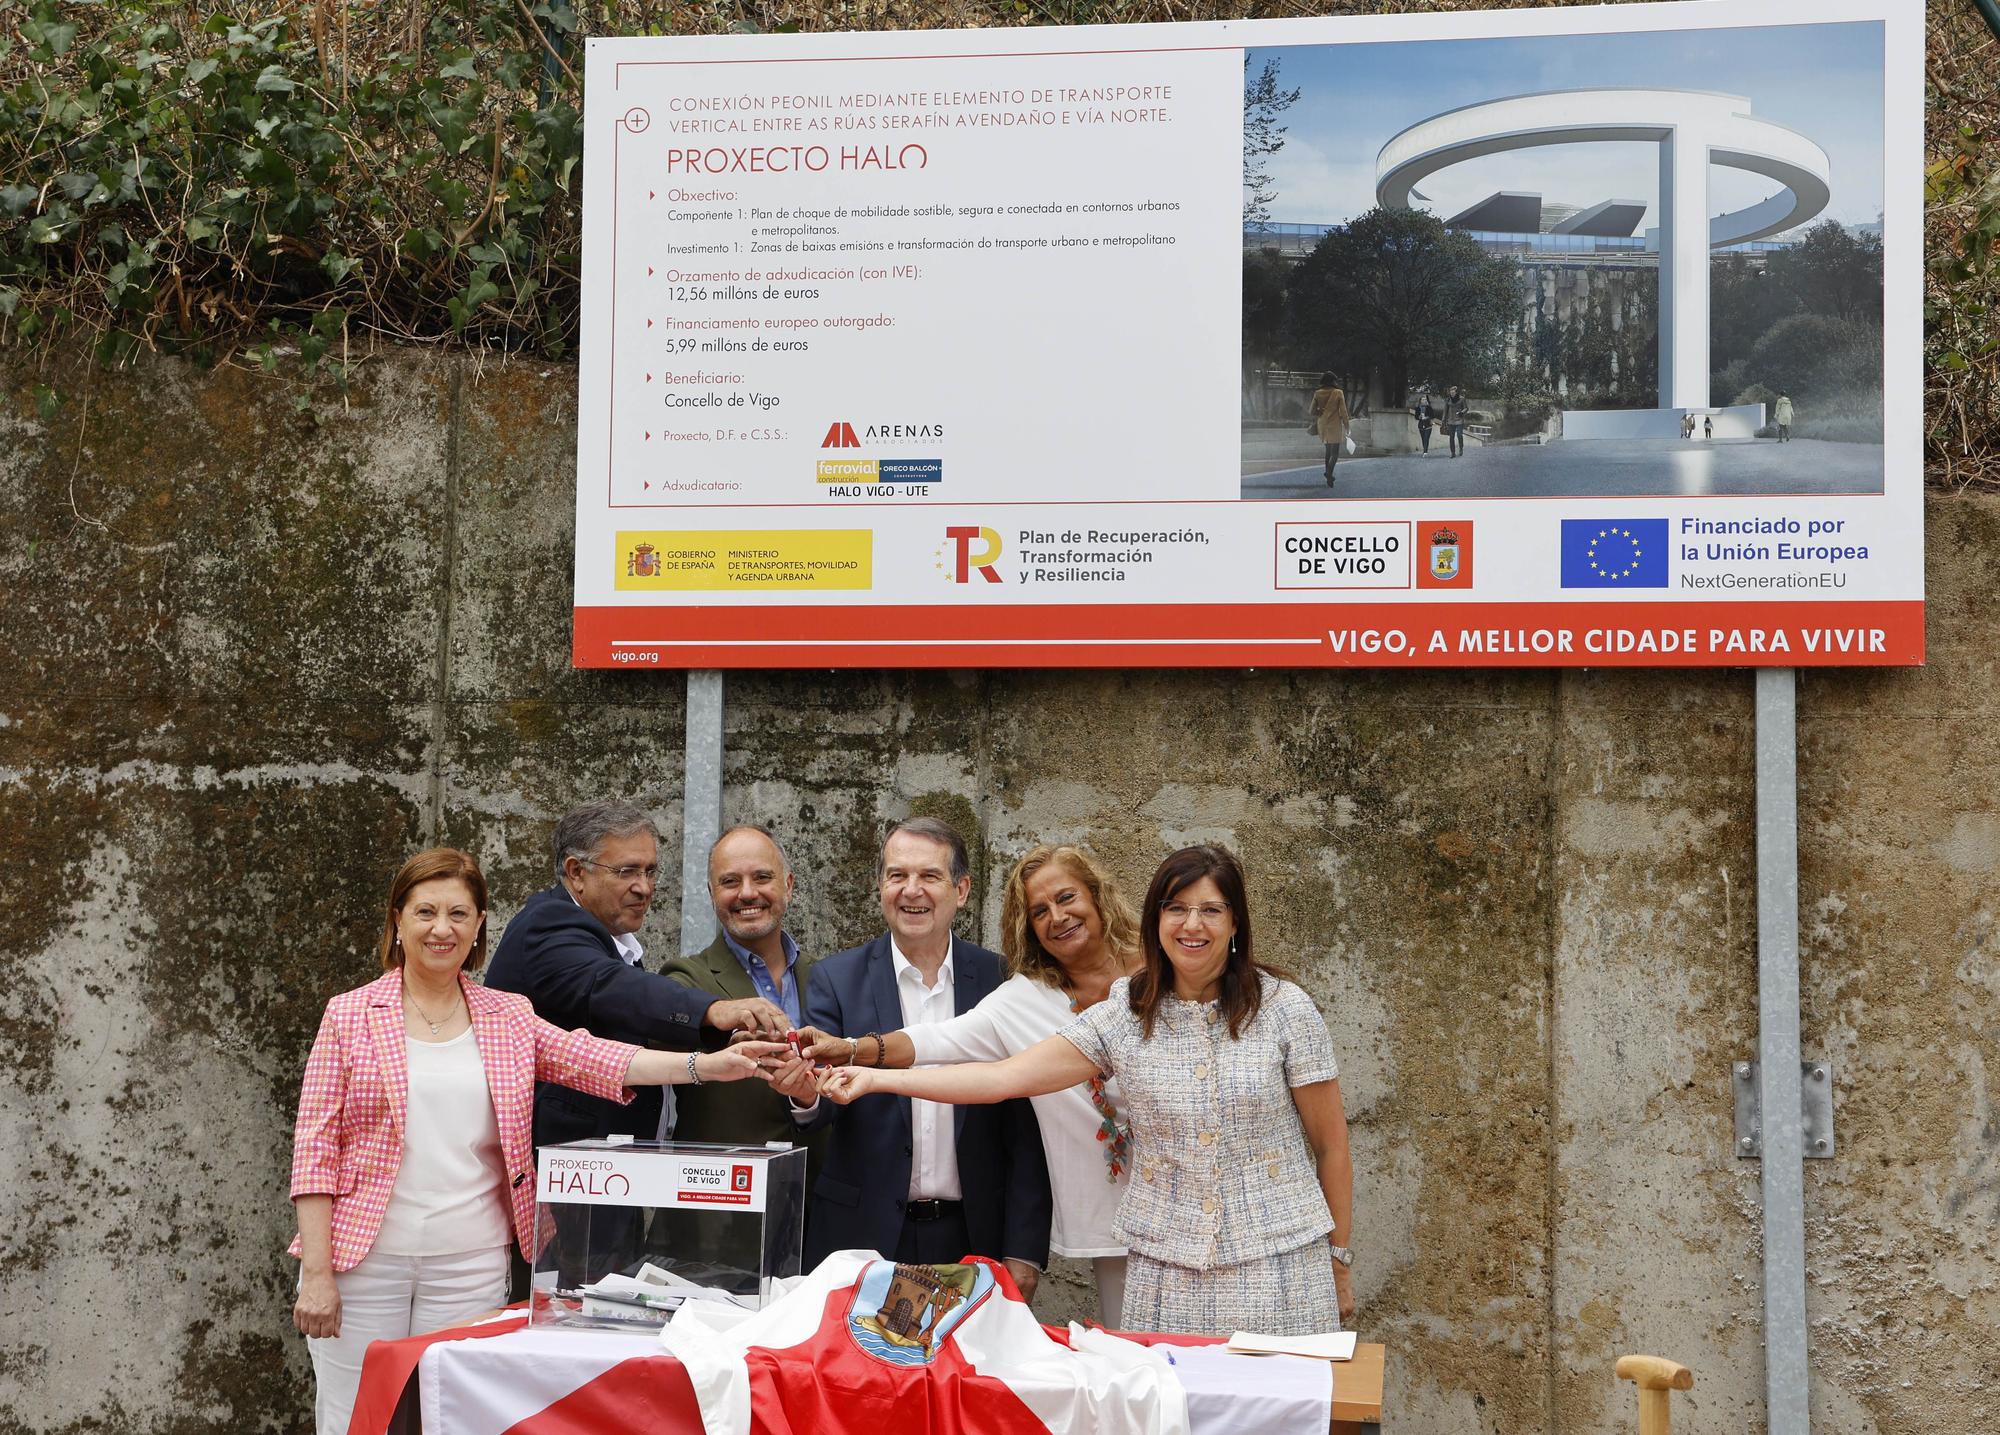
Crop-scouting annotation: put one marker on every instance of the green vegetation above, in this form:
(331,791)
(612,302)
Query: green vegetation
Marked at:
(1962,249)
(1808,323)
(321,177)
(197,182)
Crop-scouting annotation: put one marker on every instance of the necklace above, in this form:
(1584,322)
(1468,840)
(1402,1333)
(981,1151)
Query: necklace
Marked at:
(1117,1139)
(435,1026)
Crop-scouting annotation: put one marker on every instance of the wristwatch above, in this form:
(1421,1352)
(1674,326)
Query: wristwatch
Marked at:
(1343,1255)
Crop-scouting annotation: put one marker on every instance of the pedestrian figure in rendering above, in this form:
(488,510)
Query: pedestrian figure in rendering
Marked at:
(1425,416)
(1329,413)
(1782,417)
(1687,427)
(1454,419)
(1708,426)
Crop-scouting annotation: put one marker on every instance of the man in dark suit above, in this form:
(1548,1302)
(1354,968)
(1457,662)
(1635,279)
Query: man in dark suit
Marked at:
(916,1180)
(573,951)
(750,883)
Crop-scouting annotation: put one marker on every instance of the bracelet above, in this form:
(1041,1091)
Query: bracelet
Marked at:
(693,1075)
(880,1047)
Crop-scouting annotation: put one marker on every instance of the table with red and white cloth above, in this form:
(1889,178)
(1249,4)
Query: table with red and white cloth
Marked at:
(1002,1375)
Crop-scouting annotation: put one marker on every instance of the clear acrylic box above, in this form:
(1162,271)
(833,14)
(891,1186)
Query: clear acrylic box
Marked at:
(625,1231)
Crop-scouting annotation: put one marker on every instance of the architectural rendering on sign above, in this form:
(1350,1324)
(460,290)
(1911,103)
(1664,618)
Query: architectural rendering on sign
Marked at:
(1692,131)
(1646,264)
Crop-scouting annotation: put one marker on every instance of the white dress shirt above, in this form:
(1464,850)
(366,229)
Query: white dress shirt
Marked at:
(1013,1017)
(933,1136)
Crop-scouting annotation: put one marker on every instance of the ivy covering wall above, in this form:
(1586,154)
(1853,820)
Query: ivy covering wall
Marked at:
(296,184)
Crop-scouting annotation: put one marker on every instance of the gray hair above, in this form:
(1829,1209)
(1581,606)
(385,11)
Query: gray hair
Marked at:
(762,831)
(581,831)
(933,830)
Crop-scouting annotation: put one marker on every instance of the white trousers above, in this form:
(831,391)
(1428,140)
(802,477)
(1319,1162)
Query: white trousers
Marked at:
(388,1298)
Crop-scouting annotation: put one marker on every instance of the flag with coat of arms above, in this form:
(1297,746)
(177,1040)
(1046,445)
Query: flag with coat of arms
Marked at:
(864,1346)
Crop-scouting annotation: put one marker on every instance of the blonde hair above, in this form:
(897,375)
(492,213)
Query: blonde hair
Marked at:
(1017,934)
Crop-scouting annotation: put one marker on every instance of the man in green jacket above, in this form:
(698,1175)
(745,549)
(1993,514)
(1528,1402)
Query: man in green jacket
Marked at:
(750,883)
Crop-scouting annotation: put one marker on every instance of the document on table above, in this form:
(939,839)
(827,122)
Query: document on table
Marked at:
(1328,1345)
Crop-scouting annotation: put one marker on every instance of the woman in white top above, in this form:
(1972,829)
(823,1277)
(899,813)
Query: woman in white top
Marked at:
(1068,935)
(413,1167)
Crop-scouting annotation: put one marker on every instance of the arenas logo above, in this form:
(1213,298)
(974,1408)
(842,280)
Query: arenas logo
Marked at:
(841,434)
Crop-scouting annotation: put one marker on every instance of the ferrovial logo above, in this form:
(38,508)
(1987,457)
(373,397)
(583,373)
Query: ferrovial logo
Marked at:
(967,551)
(840,435)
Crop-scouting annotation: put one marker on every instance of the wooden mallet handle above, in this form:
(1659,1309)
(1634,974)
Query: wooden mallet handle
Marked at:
(1654,1377)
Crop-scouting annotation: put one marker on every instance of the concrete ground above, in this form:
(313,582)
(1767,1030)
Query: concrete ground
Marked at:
(1600,468)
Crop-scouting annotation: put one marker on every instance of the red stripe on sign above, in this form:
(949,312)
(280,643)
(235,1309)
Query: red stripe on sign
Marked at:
(1261,635)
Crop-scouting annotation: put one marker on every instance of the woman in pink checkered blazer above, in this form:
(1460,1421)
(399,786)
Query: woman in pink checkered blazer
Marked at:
(412,1162)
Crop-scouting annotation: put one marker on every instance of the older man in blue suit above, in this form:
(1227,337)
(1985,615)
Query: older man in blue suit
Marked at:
(573,951)
(917,1180)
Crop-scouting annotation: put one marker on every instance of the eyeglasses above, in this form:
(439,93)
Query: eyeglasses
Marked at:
(1181,911)
(628,872)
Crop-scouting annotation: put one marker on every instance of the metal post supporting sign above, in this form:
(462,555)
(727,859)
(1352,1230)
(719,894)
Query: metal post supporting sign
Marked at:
(1778,1052)
(701,805)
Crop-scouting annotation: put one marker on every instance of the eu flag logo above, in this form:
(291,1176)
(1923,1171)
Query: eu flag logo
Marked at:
(1620,553)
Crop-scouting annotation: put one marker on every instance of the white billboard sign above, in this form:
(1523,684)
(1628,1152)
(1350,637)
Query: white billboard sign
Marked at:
(1538,337)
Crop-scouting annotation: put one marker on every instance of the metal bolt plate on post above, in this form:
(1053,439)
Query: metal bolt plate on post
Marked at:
(1815,1110)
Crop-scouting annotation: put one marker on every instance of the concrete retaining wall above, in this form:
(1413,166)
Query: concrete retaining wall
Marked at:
(249,658)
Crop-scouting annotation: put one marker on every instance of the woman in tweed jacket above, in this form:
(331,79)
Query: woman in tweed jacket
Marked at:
(412,1160)
(1240,1211)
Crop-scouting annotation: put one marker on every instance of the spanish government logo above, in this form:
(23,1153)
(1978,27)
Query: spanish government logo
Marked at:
(902,1313)
(1627,553)
(642,561)
(1444,552)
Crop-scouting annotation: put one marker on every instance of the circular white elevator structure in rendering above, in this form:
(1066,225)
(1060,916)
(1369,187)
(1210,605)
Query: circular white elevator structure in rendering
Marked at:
(1693,129)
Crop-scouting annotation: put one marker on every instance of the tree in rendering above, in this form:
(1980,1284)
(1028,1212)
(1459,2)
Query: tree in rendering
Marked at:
(1396,295)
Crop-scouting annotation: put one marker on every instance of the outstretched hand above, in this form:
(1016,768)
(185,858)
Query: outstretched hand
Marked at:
(765,1052)
(845,1084)
(752,1014)
(823,1049)
(790,1077)
(732,1063)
